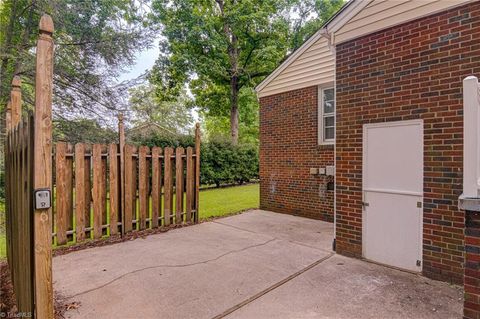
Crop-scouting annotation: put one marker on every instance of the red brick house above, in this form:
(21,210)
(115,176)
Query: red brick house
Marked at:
(363,126)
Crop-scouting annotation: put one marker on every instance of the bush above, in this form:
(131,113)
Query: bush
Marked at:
(221,162)
(163,140)
(224,163)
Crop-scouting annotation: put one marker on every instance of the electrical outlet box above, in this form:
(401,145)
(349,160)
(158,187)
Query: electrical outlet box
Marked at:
(314,171)
(330,170)
(322,171)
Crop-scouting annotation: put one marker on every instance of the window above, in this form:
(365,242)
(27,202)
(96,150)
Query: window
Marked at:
(327,116)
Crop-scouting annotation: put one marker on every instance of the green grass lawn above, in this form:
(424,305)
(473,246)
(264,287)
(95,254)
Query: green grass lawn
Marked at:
(213,203)
(224,201)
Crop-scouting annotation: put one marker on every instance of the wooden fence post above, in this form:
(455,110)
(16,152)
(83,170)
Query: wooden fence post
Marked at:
(16,101)
(121,142)
(43,168)
(197,171)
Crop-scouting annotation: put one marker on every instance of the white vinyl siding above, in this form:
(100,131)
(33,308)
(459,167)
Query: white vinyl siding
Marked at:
(314,66)
(382,14)
(326,115)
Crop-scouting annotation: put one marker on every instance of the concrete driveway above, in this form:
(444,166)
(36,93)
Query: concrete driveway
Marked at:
(255,265)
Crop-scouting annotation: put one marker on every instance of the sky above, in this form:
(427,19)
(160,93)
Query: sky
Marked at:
(144,61)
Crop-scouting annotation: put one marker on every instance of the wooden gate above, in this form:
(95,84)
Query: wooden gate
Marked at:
(28,168)
(19,184)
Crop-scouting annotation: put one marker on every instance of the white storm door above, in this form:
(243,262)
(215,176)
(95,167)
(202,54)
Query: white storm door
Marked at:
(393,193)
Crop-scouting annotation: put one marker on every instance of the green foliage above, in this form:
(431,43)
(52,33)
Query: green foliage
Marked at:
(163,140)
(225,163)
(2,186)
(311,15)
(218,48)
(173,115)
(219,125)
(221,161)
(94,41)
(82,131)
(223,49)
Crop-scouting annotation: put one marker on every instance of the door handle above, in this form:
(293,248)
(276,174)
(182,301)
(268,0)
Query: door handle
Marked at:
(365,204)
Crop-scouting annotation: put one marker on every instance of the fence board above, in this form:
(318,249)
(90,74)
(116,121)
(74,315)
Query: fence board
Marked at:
(80,203)
(168,186)
(98,191)
(179,184)
(143,185)
(156,185)
(189,185)
(114,188)
(62,207)
(87,175)
(130,187)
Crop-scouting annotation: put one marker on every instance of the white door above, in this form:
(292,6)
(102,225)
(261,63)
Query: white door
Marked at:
(393,193)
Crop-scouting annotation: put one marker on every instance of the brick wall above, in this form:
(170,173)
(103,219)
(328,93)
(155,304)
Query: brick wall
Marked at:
(472,266)
(288,149)
(412,71)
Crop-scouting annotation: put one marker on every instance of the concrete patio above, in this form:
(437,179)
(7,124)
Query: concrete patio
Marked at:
(255,265)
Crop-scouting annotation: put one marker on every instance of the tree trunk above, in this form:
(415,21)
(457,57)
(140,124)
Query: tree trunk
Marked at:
(233,54)
(234,115)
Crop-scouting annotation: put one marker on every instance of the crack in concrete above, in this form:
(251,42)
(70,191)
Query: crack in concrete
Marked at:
(280,239)
(271,288)
(170,266)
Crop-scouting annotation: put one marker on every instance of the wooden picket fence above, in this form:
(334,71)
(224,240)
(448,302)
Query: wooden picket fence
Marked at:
(104,190)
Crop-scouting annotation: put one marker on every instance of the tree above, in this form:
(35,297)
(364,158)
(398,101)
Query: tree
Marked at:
(218,47)
(82,131)
(310,15)
(217,125)
(173,115)
(95,40)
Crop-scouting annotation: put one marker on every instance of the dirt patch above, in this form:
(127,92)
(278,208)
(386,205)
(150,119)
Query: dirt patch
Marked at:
(8,307)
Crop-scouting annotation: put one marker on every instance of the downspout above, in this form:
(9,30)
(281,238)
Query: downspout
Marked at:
(325,34)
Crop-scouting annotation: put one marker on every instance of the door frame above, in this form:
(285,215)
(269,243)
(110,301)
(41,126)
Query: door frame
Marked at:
(367,126)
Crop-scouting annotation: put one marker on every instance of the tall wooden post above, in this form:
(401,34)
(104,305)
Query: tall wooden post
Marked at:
(121,142)
(16,100)
(197,171)
(43,169)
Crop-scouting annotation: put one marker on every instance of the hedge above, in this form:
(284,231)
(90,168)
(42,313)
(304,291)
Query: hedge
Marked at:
(221,162)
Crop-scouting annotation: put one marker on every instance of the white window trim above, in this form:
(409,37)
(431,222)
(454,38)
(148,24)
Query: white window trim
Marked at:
(321,140)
